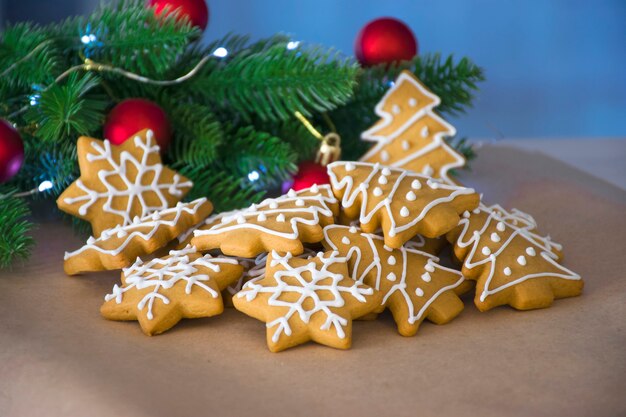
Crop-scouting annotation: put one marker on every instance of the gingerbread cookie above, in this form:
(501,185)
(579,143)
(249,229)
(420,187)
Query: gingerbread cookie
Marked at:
(404,204)
(118,183)
(280,224)
(410,135)
(254,268)
(306,299)
(414,286)
(510,262)
(118,247)
(160,292)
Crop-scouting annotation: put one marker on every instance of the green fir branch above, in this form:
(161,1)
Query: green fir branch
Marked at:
(66,111)
(197,137)
(276,82)
(15,239)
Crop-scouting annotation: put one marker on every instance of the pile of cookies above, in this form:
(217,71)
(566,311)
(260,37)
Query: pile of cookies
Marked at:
(309,262)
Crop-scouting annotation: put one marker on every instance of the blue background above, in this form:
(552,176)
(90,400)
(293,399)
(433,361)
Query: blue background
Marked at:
(554,68)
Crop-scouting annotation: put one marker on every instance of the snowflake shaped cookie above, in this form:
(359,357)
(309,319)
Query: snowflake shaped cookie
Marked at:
(410,134)
(118,247)
(403,203)
(118,183)
(414,286)
(160,292)
(510,262)
(306,299)
(280,224)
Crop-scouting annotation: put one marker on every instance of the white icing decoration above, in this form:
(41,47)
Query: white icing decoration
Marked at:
(318,280)
(404,212)
(135,188)
(426,277)
(349,166)
(419,292)
(428,170)
(495,237)
(162,274)
(486,251)
(412,102)
(521,260)
(391,276)
(316,206)
(523,229)
(377,191)
(385,171)
(345,240)
(382,180)
(405,145)
(384,156)
(411,196)
(352,191)
(388,131)
(531,251)
(355,253)
(391,260)
(507,271)
(300,202)
(395,109)
(137,230)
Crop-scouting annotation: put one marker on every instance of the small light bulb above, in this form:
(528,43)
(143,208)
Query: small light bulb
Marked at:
(46,185)
(293,45)
(220,52)
(92,38)
(85,39)
(254,176)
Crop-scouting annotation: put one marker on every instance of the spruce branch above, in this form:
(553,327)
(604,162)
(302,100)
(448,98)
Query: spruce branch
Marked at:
(273,83)
(247,150)
(67,111)
(15,240)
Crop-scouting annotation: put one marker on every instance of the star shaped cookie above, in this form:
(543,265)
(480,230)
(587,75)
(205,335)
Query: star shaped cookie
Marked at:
(160,292)
(510,262)
(118,183)
(306,299)
(414,286)
(403,203)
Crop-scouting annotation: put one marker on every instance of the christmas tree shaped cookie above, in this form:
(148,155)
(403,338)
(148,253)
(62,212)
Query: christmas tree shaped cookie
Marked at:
(403,203)
(410,134)
(118,247)
(160,292)
(510,262)
(306,299)
(414,286)
(280,224)
(118,183)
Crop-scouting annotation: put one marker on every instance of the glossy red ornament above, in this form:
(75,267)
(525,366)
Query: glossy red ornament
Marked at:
(310,173)
(133,115)
(383,41)
(11,151)
(196,10)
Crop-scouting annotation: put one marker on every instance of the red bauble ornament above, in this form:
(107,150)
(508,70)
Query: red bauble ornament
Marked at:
(11,151)
(196,10)
(310,173)
(383,41)
(133,115)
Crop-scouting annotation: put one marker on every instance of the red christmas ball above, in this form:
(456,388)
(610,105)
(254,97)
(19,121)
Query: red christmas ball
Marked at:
(383,41)
(11,151)
(310,173)
(196,10)
(133,115)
